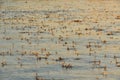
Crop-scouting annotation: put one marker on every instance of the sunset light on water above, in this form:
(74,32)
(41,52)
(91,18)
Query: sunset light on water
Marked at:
(59,40)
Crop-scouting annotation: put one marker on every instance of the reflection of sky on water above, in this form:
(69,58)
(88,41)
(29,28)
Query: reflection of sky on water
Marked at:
(29,29)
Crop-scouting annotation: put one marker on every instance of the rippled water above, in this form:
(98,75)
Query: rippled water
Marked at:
(84,33)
